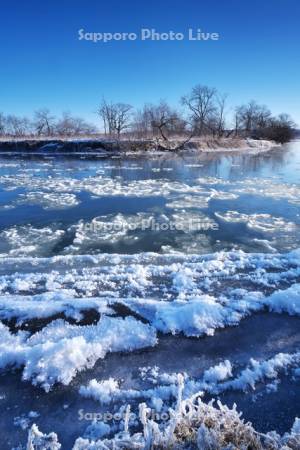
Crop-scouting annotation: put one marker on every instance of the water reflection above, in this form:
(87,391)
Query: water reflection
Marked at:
(262,190)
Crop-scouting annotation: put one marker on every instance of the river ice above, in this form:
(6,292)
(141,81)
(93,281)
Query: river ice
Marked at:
(103,261)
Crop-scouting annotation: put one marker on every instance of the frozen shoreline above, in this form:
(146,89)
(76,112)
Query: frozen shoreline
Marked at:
(59,409)
(105,147)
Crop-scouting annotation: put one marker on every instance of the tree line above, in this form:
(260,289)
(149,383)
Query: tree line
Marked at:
(44,123)
(203,112)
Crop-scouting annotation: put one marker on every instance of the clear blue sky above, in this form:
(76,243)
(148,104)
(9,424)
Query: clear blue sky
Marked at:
(44,64)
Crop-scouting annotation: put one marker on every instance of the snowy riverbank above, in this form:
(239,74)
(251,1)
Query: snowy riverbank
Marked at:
(98,146)
(82,364)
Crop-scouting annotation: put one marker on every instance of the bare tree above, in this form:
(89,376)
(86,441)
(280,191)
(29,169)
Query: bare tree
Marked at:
(123,117)
(80,126)
(206,113)
(64,126)
(18,126)
(257,121)
(159,120)
(72,126)
(106,113)
(116,117)
(201,103)
(280,129)
(285,119)
(263,117)
(251,117)
(142,126)
(162,118)
(44,122)
(3,124)
(220,114)
(237,121)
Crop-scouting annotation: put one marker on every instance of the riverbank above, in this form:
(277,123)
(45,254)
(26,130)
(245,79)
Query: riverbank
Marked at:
(265,409)
(84,145)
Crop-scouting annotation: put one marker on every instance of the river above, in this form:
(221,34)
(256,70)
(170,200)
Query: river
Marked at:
(188,261)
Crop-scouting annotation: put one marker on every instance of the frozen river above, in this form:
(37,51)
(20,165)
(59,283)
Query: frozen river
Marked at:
(116,274)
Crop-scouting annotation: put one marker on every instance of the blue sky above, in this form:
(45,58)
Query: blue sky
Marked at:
(44,64)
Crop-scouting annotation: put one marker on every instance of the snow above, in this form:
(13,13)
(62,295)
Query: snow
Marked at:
(60,350)
(203,314)
(47,304)
(220,378)
(194,295)
(287,300)
(260,370)
(40,441)
(196,317)
(219,372)
(162,387)
(108,391)
(191,422)
(104,391)
(97,430)
(296,427)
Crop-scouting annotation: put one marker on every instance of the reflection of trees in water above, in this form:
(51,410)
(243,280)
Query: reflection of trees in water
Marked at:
(271,160)
(221,165)
(233,166)
(224,165)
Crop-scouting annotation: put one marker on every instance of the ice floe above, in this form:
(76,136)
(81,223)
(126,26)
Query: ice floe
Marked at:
(268,188)
(106,229)
(48,200)
(258,222)
(28,240)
